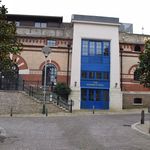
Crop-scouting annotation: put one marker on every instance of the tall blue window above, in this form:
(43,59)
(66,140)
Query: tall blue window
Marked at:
(92,48)
(95,73)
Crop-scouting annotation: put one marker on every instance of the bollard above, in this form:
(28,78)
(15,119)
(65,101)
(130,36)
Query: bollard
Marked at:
(46,112)
(93,109)
(11,112)
(142,117)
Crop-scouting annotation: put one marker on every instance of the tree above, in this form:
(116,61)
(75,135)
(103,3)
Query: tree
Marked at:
(62,90)
(143,69)
(8,41)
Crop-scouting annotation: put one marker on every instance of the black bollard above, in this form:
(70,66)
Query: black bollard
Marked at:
(46,112)
(142,117)
(11,112)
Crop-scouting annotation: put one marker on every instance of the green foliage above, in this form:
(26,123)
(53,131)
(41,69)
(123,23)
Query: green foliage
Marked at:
(62,90)
(143,69)
(8,40)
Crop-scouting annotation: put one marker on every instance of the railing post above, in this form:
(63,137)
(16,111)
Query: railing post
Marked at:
(71,106)
(29,90)
(23,85)
(37,85)
(57,100)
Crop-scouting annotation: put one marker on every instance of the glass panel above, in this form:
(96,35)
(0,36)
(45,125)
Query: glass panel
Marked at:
(106,95)
(51,74)
(105,75)
(98,75)
(91,75)
(84,48)
(37,24)
(17,23)
(106,48)
(83,74)
(92,48)
(43,25)
(83,94)
(98,95)
(51,43)
(91,95)
(98,48)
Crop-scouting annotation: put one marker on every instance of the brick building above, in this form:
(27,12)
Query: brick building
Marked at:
(79,58)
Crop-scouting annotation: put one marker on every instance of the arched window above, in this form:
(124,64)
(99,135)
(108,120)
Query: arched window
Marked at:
(137,48)
(136,76)
(51,74)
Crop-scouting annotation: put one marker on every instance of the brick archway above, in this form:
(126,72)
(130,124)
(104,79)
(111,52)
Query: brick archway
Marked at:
(132,69)
(51,62)
(19,61)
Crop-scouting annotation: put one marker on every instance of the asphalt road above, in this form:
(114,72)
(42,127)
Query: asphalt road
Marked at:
(84,132)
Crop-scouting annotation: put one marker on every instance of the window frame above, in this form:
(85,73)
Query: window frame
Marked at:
(137,98)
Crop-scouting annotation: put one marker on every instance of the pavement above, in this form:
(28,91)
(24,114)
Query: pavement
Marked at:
(142,128)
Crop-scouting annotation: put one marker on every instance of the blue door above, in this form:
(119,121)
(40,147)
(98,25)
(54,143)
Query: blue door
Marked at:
(94,98)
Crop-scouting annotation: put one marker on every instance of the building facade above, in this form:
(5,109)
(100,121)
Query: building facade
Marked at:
(35,32)
(89,54)
(95,63)
(134,94)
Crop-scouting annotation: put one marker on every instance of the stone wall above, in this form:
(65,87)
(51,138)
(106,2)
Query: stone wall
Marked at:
(128,99)
(21,103)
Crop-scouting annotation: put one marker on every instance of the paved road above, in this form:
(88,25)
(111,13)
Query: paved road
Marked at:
(88,132)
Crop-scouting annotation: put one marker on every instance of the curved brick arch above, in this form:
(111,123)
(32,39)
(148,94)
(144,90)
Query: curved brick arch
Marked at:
(19,61)
(52,62)
(132,69)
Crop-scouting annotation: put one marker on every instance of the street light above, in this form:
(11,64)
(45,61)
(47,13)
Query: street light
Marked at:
(46,51)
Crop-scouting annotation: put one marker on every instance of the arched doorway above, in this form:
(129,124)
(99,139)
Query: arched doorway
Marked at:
(51,75)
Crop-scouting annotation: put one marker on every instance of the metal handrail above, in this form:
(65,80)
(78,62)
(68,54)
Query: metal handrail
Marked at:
(37,92)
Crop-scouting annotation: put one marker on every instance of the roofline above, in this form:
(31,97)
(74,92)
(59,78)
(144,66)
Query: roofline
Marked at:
(96,23)
(23,17)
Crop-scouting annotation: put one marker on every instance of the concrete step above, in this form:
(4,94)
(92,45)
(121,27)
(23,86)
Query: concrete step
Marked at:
(20,103)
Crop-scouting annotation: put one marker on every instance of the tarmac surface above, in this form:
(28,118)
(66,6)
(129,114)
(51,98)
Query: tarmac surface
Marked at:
(81,130)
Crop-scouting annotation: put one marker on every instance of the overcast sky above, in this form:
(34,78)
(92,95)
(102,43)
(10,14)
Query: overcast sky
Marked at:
(136,12)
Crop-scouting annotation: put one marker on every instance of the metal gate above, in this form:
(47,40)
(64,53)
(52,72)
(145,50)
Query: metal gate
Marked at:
(9,79)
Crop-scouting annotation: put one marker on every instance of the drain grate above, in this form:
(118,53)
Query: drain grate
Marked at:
(127,125)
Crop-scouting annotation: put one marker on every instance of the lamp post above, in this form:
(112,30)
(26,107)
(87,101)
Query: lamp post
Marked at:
(46,51)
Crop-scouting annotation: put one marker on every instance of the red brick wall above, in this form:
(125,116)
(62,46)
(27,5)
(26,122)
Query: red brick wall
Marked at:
(38,78)
(134,87)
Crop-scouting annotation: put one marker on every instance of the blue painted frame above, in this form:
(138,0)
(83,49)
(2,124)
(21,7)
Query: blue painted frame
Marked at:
(95,60)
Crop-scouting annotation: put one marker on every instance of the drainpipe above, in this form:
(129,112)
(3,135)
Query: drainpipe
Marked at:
(68,62)
(121,65)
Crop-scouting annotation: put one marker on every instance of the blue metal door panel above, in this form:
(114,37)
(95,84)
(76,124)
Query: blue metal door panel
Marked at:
(100,102)
(96,105)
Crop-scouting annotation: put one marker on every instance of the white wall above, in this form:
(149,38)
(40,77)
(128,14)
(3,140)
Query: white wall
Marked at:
(99,32)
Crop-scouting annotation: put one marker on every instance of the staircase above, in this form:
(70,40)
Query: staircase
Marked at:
(19,102)
(36,93)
